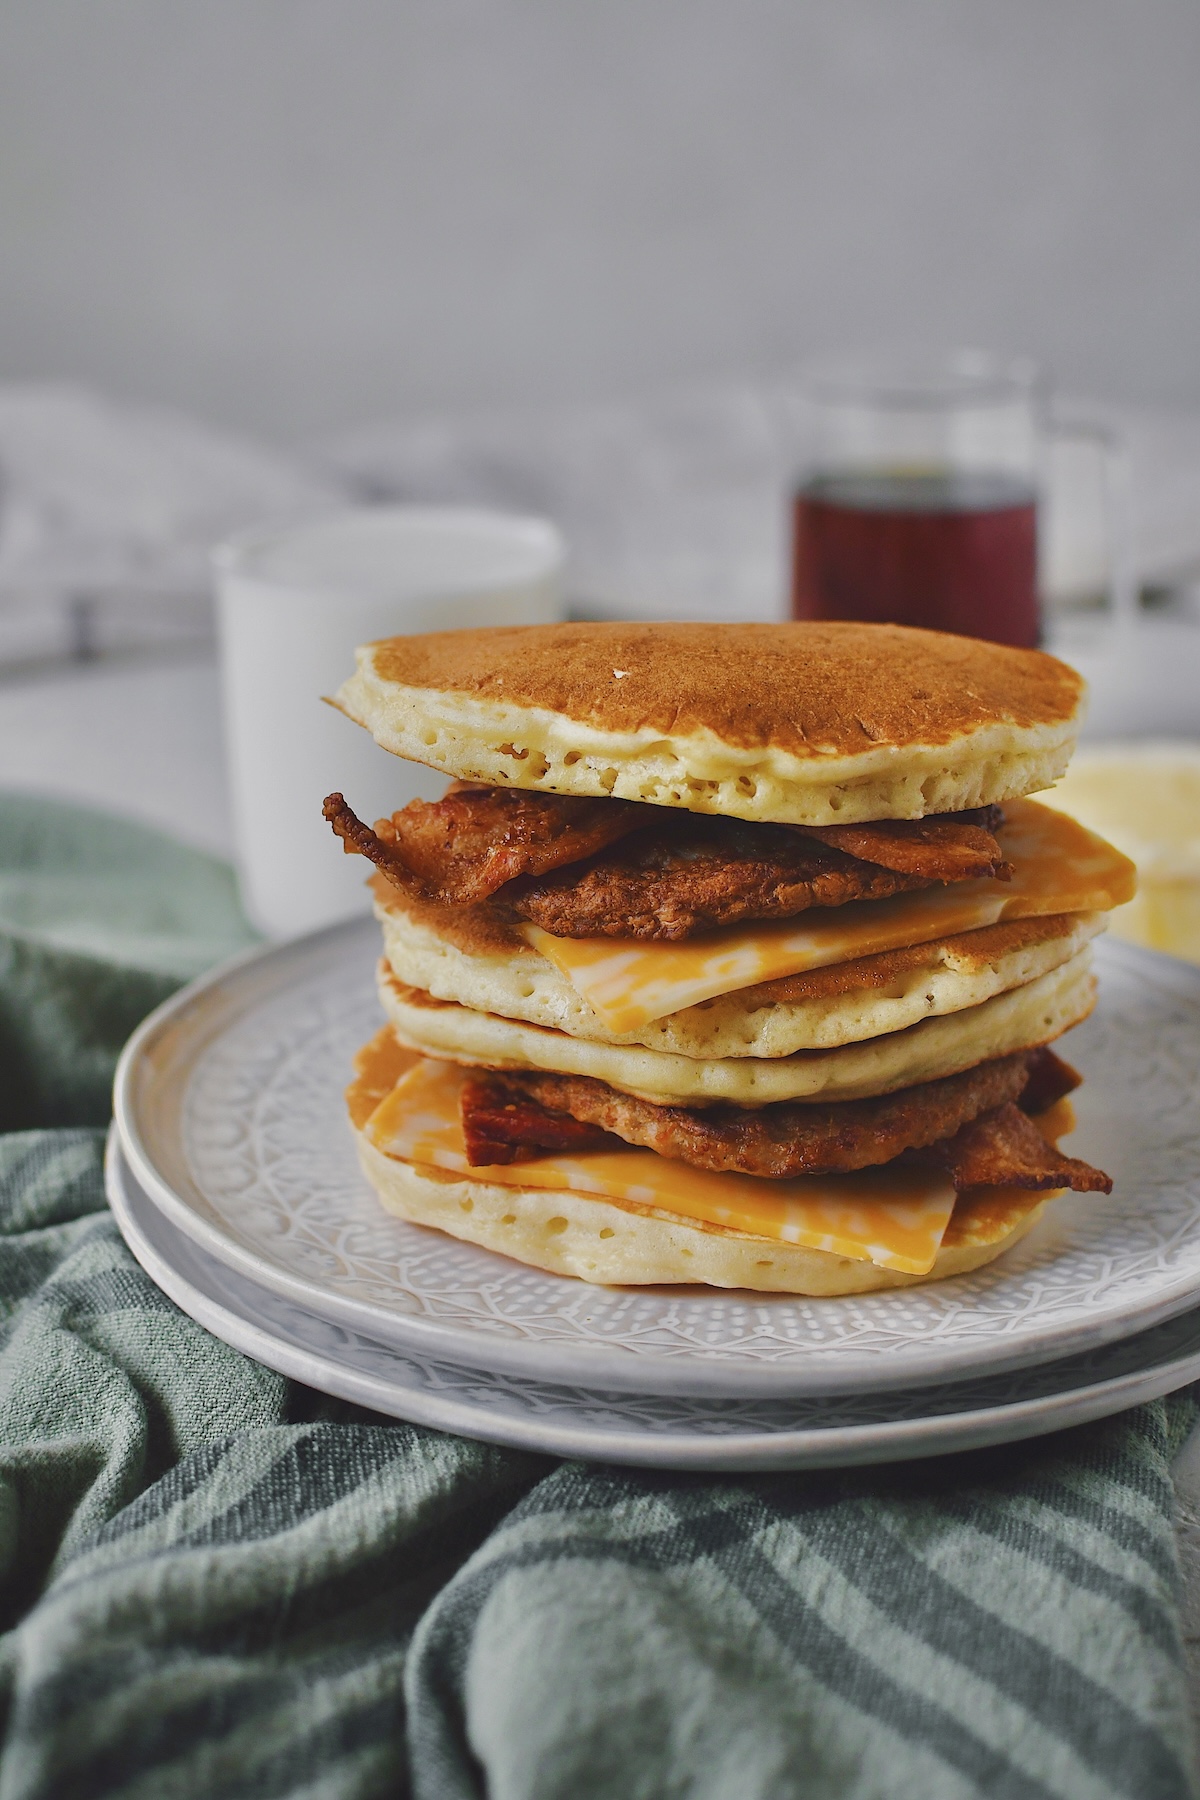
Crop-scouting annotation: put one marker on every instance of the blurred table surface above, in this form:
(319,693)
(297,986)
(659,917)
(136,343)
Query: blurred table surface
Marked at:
(137,736)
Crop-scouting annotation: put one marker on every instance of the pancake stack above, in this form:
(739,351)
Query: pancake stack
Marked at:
(733,954)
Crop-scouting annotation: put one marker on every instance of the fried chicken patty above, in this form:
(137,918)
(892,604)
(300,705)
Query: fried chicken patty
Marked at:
(510,1117)
(603,868)
(697,873)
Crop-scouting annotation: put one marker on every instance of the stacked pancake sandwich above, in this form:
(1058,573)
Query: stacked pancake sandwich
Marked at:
(733,953)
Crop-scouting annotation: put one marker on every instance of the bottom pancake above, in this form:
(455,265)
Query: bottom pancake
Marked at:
(446,953)
(617,1244)
(621,1242)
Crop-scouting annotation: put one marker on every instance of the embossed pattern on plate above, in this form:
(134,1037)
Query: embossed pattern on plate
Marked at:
(663,1431)
(229,1103)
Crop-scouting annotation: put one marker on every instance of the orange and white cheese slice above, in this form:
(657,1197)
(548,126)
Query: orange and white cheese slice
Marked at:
(892,1217)
(1059,867)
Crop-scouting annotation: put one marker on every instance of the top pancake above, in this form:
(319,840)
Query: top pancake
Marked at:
(810,723)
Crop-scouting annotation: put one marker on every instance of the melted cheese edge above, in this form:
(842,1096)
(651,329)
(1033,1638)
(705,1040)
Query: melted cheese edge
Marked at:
(889,1216)
(1059,867)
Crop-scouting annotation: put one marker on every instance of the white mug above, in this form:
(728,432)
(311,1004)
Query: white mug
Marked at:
(293,603)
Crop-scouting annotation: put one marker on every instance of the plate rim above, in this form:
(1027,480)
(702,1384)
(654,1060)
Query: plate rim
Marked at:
(609,1364)
(813,1447)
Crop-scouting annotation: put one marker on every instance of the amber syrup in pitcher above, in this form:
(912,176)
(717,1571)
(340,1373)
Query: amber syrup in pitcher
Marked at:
(949,551)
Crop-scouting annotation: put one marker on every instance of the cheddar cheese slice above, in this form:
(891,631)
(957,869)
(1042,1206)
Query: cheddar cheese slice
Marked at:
(1059,867)
(891,1217)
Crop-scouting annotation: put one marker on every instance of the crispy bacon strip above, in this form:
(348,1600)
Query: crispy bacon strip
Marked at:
(1050,1079)
(503,1125)
(1004,1148)
(945,847)
(359,840)
(459,850)
(523,1112)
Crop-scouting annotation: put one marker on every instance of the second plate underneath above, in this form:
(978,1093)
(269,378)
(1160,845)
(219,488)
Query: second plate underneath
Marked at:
(659,1432)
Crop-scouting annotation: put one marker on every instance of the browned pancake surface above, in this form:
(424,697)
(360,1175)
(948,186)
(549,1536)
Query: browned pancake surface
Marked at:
(967,950)
(811,688)
(476,931)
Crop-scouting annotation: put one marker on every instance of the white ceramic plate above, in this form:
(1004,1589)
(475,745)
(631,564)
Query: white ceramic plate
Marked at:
(229,1105)
(668,1432)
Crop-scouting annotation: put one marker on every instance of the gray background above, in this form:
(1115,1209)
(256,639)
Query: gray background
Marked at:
(297,214)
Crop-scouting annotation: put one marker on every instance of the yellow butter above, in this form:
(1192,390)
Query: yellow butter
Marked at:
(1059,867)
(892,1217)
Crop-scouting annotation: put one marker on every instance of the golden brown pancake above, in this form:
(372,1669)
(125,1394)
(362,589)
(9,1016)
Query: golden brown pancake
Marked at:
(622,1242)
(1020,1019)
(807,723)
(461,954)
(618,1242)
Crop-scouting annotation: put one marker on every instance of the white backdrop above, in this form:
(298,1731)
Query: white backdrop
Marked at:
(297,214)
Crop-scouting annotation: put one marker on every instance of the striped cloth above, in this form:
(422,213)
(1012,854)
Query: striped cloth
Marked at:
(100,919)
(217,1584)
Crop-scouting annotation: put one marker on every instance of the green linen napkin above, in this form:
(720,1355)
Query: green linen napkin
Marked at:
(216,1583)
(100,919)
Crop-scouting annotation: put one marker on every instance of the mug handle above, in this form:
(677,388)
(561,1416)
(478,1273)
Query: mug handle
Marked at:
(1085,551)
